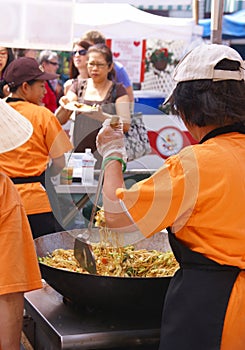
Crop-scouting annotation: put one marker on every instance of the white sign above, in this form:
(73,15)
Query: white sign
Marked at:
(131,54)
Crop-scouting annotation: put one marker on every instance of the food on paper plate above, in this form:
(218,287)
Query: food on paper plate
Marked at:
(81,107)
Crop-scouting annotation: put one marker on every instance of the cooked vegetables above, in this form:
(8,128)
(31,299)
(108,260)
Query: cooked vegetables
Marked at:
(123,261)
(120,262)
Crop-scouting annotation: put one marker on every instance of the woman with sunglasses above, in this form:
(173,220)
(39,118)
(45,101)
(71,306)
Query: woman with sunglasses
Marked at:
(78,63)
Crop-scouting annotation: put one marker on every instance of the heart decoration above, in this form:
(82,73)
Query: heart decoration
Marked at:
(136,43)
(116,54)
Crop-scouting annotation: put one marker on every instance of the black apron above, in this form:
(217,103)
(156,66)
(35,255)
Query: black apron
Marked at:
(199,292)
(46,182)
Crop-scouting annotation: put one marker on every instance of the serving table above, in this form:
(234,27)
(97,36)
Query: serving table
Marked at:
(85,192)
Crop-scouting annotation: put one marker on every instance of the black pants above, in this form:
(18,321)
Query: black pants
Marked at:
(42,224)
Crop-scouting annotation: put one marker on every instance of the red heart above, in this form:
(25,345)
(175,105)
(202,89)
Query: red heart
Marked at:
(116,54)
(136,43)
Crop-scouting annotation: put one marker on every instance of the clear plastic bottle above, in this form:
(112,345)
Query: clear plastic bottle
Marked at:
(88,163)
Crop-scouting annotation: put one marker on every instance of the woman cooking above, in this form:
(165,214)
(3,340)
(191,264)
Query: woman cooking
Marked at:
(193,195)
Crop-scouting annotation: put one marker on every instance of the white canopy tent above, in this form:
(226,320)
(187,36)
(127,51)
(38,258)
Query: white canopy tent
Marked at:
(53,24)
(120,20)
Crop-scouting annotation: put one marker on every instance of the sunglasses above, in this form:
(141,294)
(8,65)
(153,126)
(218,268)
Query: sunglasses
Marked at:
(53,63)
(81,52)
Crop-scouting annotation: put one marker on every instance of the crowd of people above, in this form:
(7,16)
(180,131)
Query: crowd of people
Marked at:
(189,195)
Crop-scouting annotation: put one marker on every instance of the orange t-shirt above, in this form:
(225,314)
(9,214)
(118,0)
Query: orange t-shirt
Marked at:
(47,141)
(19,270)
(199,193)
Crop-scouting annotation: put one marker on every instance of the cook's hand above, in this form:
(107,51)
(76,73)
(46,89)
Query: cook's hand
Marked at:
(110,140)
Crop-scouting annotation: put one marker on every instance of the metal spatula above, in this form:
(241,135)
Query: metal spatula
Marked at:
(82,248)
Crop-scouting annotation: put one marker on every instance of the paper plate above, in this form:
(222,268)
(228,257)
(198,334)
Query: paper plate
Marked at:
(80,107)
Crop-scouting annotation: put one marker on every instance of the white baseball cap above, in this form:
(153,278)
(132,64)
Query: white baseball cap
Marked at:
(15,129)
(200,63)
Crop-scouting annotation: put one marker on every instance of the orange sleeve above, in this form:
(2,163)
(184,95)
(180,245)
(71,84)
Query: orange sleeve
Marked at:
(57,140)
(154,203)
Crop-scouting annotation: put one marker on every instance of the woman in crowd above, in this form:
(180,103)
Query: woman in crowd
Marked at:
(78,63)
(78,71)
(49,60)
(6,56)
(121,76)
(25,53)
(31,165)
(194,195)
(99,89)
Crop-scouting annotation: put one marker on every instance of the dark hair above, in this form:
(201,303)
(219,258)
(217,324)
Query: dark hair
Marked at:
(20,52)
(95,37)
(10,56)
(9,60)
(106,52)
(73,71)
(206,102)
(13,88)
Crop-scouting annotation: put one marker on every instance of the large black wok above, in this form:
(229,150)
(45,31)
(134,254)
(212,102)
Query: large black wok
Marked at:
(102,292)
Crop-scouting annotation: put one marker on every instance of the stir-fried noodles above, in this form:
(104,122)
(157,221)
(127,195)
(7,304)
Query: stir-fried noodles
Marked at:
(121,262)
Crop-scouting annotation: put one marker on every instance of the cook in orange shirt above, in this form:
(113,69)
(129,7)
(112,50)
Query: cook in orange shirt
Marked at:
(31,165)
(198,196)
(19,271)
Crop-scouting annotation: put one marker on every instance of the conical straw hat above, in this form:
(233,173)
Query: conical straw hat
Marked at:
(15,129)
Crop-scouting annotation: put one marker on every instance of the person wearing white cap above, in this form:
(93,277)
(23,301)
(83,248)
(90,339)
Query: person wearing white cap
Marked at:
(19,271)
(196,196)
(31,165)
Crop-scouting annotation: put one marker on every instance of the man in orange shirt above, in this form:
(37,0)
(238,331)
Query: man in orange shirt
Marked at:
(198,196)
(31,165)
(19,271)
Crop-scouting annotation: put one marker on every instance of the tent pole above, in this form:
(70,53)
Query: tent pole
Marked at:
(195,10)
(217,10)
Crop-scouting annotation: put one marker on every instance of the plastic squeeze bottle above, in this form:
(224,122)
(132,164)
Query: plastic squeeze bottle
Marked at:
(88,163)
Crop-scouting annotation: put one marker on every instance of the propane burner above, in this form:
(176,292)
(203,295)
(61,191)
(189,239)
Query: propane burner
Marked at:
(54,322)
